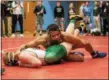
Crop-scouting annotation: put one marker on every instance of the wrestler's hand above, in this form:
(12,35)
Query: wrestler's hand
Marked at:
(17,52)
(21,48)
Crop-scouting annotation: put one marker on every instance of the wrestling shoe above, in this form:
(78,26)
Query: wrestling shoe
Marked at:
(97,54)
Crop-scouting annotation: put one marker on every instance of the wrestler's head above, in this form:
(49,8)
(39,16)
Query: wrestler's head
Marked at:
(54,33)
(9,59)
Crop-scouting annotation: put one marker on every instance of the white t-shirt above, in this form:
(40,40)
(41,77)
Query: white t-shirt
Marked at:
(19,9)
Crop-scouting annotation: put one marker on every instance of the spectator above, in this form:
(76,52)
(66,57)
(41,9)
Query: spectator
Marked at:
(39,11)
(9,16)
(59,15)
(71,10)
(101,18)
(87,14)
(108,14)
(103,15)
(17,16)
(4,22)
(96,14)
(81,13)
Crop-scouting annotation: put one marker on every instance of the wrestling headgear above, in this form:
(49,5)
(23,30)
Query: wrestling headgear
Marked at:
(9,59)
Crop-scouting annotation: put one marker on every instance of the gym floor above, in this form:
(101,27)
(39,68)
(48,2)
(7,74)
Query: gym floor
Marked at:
(89,69)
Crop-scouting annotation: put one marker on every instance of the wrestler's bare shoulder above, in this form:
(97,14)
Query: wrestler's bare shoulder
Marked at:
(42,38)
(64,33)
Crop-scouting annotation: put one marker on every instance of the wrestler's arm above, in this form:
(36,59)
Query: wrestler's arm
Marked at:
(39,40)
(78,42)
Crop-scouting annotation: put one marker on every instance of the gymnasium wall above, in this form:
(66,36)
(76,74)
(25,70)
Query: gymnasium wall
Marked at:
(29,16)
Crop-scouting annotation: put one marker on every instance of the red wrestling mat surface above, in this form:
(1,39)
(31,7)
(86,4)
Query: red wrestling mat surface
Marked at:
(89,69)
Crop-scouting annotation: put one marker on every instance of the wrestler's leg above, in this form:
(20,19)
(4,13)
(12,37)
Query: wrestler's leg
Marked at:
(87,45)
(72,57)
(84,44)
(70,28)
(29,59)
